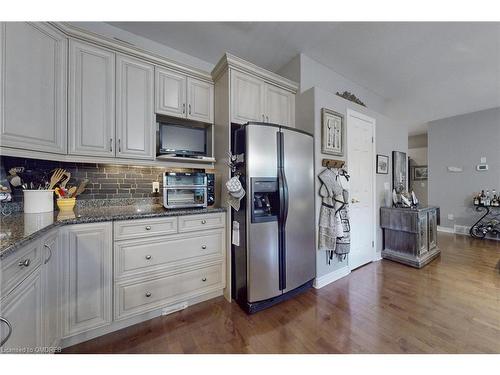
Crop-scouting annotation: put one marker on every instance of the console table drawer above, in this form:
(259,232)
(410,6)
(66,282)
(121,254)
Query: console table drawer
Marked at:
(135,257)
(201,222)
(145,227)
(138,296)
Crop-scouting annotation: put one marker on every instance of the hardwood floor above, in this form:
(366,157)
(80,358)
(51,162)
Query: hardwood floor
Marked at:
(450,306)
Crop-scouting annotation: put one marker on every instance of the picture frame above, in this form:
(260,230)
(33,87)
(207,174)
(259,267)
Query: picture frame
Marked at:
(399,171)
(333,132)
(420,172)
(382,164)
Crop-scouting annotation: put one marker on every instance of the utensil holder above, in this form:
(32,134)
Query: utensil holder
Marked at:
(66,204)
(38,201)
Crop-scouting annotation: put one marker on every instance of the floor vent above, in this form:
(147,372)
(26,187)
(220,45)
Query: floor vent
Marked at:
(461,229)
(173,308)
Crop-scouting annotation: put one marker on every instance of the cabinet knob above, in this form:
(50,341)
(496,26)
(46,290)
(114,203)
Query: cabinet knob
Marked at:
(148,294)
(203,221)
(24,263)
(203,247)
(204,279)
(148,257)
(148,227)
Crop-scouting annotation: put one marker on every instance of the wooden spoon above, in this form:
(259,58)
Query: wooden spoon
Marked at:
(81,187)
(56,177)
(72,191)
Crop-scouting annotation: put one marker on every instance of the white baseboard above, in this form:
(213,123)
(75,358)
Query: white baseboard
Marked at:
(445,229)
(329,278)
(377,257)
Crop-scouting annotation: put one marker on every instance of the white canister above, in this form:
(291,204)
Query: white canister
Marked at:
(36,201)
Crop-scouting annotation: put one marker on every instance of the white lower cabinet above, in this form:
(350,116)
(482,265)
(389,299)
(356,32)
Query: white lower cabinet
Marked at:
(60,289)
(21,315)
(87,277)
(157,271)
(51,290)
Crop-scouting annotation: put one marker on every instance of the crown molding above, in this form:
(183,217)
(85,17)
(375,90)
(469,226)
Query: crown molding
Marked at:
(129,49)
(229,61)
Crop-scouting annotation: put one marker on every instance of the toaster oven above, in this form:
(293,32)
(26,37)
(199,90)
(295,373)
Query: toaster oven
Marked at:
(182,190)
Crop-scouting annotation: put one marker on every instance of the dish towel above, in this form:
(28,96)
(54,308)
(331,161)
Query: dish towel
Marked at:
(334,226)
(234,192)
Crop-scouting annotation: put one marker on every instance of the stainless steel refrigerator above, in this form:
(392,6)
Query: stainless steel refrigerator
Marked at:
(275,256)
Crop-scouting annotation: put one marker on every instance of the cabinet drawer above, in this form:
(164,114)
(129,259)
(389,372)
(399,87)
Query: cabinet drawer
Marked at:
(200,222)
(138,296)
(134,257)
(18,266)
(139,228)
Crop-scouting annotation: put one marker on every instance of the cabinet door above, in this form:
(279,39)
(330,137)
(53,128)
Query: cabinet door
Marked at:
(247,98)
(432,224)
(87,270)
(22,308)
(91,100)
(51,291)
(200,100)
(33,87)
(170,95)
(280,106)
(422,234)
(135,126)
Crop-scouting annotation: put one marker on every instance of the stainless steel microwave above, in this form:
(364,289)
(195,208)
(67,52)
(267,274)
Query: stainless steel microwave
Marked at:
(182,190)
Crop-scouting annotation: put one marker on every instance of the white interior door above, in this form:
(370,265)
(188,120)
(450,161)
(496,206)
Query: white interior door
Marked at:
(360,163)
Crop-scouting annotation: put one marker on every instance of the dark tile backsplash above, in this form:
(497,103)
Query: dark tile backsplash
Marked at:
(106,181)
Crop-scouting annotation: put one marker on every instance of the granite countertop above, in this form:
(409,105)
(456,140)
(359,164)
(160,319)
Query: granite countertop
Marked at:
(19,228)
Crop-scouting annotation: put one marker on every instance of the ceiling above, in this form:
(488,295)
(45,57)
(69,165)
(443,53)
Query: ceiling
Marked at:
(425,71)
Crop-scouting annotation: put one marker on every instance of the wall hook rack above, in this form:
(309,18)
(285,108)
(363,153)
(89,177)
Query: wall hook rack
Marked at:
(332,163)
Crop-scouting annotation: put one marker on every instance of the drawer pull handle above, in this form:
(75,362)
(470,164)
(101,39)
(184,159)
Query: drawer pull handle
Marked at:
(204,279)
(50,254)
(148,227)
(203,221)
(148,257)
(9,326)
(24,263)
(204,247)
(148,294)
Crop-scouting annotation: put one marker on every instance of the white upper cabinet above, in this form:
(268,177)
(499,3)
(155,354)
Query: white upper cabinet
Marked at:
(170,95)
(247,98)
(135,123)
(91,100)
(87,277)
(200,95)
(33,62)
(280,106)
(179,95)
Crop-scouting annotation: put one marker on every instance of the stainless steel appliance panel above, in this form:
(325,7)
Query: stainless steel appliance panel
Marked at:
(262,239)
(300,257)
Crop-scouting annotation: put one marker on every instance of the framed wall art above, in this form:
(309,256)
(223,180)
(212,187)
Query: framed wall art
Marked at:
(399,174)
(382,164)
(333,132)
(419,172)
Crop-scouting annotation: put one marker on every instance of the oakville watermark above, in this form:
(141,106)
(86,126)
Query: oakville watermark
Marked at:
(32,350)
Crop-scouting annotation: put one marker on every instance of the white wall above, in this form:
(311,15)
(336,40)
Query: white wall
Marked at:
(389,137)
(310,73)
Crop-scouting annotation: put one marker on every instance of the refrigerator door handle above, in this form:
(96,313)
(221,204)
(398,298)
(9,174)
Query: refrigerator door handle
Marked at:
(283,212)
